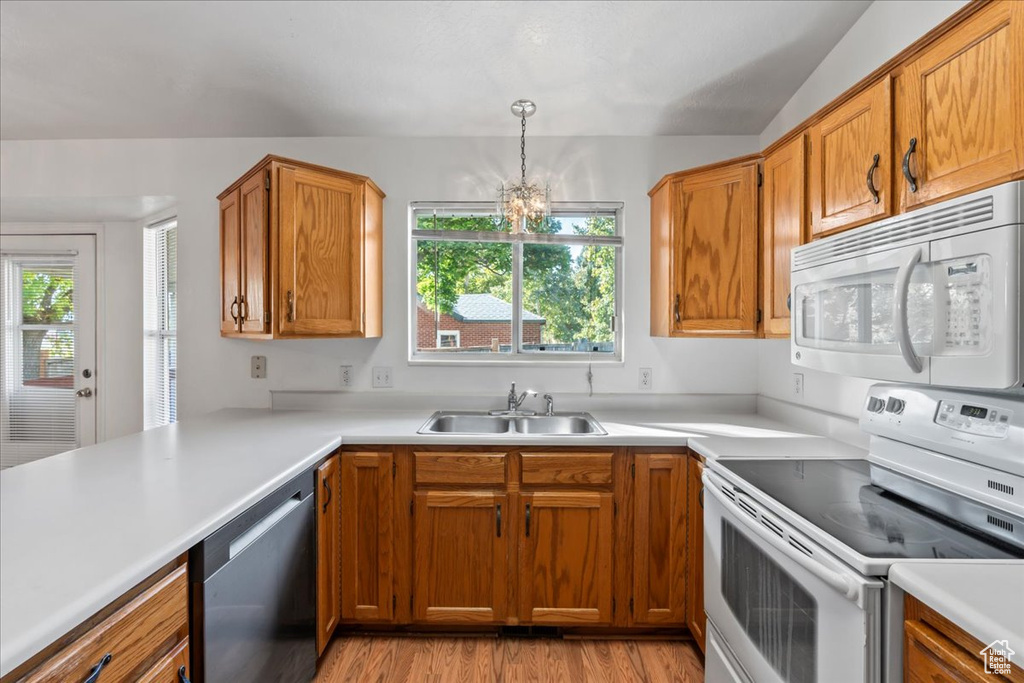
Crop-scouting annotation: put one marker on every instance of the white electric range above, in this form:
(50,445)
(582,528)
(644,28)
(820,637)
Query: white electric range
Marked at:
(796,552)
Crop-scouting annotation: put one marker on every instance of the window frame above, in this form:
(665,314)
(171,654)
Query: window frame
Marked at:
(450,333)
(162,332)
(518,356)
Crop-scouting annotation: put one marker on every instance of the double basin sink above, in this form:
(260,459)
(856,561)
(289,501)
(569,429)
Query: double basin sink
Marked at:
(557,424)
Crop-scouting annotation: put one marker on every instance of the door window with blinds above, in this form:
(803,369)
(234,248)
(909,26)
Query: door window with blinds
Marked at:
(160,315)
(47,346)
(484,290)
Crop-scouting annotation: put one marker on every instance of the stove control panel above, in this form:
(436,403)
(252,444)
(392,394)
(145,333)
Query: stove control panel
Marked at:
(974,418)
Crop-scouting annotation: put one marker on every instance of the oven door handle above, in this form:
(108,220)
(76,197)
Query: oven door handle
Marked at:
(901,322)
(833,578)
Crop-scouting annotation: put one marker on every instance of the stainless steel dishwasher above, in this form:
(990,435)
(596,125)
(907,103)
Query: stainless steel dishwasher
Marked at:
(253,597)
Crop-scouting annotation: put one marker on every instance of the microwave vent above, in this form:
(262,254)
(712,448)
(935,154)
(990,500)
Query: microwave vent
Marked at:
(919,226)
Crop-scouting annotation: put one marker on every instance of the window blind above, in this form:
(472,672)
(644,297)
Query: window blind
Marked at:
(37,373)
(160,319)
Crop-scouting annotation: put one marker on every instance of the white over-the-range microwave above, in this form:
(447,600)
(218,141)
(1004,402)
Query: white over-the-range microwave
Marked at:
(932,296)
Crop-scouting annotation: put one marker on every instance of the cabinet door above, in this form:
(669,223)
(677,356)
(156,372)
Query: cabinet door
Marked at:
(255,254)
(460,557)
(230,263)
(659,539)
(565,575)
(328,552)
(695,617)
(714,252)
(367,536)
(962,103)
(320,261)
(782,228)
(849,160)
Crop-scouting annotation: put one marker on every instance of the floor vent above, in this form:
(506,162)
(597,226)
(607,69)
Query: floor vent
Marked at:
(1002,488)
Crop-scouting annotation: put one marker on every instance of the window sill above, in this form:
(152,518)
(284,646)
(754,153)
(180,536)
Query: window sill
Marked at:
(514,361)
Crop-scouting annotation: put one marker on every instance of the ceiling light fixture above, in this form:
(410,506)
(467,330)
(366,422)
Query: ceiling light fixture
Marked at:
(523,202)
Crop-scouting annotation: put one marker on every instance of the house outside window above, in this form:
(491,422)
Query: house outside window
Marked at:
(483,292)
(160,317)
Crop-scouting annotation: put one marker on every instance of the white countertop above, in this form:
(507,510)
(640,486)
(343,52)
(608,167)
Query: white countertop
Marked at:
(984,598)
(80,529)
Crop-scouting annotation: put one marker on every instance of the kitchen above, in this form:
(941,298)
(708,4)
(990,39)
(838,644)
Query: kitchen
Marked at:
(682,403)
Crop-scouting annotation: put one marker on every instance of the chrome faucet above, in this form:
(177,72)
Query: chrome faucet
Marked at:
(551,405)
(514,402)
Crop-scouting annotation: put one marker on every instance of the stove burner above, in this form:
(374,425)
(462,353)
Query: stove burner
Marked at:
(877,521)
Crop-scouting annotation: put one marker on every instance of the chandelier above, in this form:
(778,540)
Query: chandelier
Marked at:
(524,200)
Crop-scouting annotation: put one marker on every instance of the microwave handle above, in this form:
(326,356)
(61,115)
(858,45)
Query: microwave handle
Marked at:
(901,322)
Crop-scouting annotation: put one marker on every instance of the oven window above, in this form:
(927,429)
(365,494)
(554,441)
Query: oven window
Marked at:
(776,612)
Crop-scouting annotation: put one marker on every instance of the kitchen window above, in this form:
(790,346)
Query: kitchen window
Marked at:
(160,315)
(550,290)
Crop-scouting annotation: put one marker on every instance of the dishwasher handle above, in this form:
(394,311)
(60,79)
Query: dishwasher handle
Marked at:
(249,536)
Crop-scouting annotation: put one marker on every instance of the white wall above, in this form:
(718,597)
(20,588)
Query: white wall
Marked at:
(883,30)
(214,372)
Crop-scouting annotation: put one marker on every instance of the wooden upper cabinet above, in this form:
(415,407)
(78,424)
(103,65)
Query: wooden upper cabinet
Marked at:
(565,575)
(850,160)
(328,551)
(707,222)
(301,253)
(460,555)
(783,226)
(695,617)
(961,105)
(230,262)
(367,536)
(254,311)
(659,539)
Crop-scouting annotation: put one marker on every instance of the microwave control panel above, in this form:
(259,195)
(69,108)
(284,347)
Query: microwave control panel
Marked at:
(968,303)
(976,419)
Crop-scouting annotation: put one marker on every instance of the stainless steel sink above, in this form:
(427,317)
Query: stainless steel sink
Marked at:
(558,424)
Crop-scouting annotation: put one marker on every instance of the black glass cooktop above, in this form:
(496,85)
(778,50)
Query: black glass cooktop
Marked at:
(838,497)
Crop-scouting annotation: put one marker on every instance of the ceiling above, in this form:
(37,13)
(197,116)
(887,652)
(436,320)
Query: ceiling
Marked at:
(269,69)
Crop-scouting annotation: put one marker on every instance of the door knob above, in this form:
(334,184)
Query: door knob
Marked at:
(84,393)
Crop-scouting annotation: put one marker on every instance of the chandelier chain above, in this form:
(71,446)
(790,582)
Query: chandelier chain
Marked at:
(522,149)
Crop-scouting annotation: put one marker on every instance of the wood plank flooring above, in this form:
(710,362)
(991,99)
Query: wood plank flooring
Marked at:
(384,659)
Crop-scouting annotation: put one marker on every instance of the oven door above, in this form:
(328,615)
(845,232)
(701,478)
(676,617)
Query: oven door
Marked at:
(786,610)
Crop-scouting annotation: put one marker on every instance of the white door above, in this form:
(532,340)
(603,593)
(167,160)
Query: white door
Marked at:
(47,345)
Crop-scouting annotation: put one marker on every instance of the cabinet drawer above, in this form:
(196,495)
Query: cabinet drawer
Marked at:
(580,469)
(134,636)
(166,670)
(460,468)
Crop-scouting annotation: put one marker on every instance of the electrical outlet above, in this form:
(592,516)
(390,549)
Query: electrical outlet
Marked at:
(258,367)
(382,378)
(798,385)
(646,378)
(346,375)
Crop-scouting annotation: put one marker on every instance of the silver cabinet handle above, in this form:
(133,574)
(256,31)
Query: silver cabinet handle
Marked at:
(84,393)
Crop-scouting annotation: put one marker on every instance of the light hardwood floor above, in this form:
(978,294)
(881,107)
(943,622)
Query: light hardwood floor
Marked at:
(432,660)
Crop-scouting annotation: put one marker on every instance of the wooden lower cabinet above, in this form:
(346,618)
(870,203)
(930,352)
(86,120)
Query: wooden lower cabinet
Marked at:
(328,551)
(936,649)
(695,617)
(565,570)
(460,557)
(659,539)
(367,536)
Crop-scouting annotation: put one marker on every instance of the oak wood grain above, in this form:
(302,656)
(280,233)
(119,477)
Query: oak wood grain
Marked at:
(367,539)
(783,226)
(230,262)
(541,469)
(166,670)
(695,616)
(842,149)
(255,253)
(328,551)
(963,101)
(135,636)
(661,260)
(566,573)
(459,468)
(659,539)
(461,557)
(714,252)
